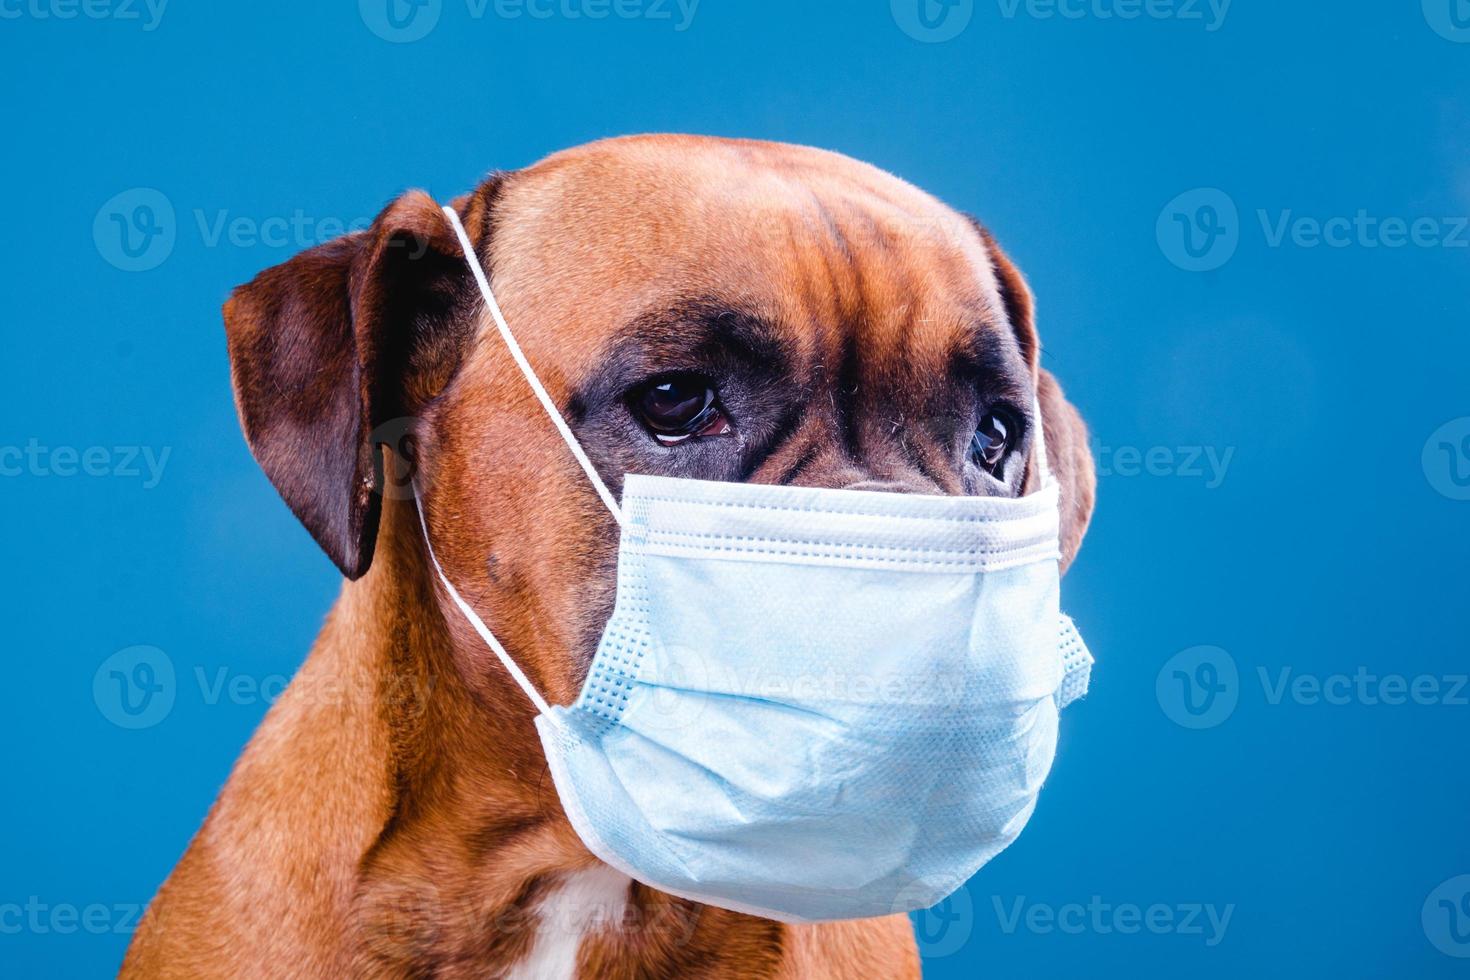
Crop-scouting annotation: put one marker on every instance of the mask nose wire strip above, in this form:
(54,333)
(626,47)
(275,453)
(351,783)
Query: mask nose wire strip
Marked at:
(510,665)
(520,358)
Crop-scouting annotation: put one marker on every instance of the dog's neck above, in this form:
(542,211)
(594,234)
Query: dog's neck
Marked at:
(474,861)
(390,819)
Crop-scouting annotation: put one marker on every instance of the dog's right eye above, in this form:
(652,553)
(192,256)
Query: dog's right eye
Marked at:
(679,407)
(992,443)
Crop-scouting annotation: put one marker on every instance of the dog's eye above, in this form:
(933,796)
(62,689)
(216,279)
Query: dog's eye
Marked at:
(679,407)
(992,443)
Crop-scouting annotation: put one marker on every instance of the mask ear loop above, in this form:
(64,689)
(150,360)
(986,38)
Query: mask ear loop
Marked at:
(554,414)
(1043,466)
(517,675)
(520,358)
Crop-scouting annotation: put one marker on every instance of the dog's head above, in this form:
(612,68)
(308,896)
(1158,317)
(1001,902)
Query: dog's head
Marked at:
(701,308)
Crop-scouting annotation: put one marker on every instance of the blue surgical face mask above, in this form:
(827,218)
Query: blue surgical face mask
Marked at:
(811,704)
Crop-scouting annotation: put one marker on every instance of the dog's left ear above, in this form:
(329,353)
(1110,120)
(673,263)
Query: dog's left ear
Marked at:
(331,345)
(1067,447)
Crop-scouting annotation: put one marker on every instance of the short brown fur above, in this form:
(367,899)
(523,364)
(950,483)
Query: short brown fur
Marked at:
(393,815)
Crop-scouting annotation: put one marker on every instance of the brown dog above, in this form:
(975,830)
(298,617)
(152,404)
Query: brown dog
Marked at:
(393,816)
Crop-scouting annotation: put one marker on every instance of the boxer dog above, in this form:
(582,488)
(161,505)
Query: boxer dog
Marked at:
(704,308)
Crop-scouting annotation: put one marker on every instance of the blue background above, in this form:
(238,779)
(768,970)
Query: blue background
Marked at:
(1333,542)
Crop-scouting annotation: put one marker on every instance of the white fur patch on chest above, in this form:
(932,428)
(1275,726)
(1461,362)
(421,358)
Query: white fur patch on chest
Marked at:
(584,902)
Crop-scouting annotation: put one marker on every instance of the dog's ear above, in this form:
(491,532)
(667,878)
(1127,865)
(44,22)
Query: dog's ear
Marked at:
(338,341)
(1068,452)
(1070,457)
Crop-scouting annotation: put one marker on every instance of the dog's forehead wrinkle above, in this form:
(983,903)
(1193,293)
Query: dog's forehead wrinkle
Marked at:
(828,223)
(824,238)
(685,324)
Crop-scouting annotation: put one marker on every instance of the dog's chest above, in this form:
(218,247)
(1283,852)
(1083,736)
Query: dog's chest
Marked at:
(583,903)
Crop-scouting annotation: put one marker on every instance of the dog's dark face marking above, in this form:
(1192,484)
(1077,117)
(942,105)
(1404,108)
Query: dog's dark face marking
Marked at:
(764,407)
(810,319)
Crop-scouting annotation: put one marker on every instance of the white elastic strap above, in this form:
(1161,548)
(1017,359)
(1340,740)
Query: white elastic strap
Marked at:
(1043,467)
(520,358)
(510,665)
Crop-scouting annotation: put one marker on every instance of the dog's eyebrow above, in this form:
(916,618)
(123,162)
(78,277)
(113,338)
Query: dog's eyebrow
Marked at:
(700,333)
(705,326)
(988,358)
